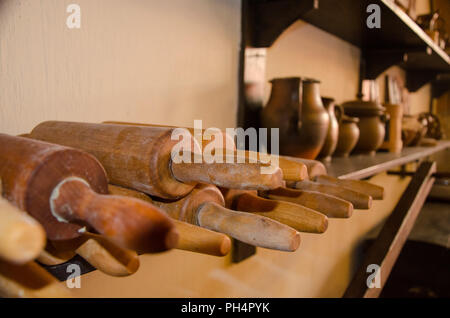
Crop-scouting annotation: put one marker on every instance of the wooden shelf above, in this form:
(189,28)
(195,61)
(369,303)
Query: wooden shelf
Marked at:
(385,249)
(399,41)
(363,166)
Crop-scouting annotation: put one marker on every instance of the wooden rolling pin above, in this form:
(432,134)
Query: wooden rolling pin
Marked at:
(191,237)
(59,186)
(51,257)
(292,171)
(301,218)
(358,199)
(375,191)
(29,281)
(226,141)
(329,205)
(317,172)
(98,251)
(108,257)
(204,207)
(139,157)
(21,237)
(314,167)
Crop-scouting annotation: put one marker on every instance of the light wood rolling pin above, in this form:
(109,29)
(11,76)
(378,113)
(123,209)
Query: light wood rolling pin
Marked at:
(331,206)
(97,250)
(139,158)
(298,217)
(375,191)
(358,199)
(204,207)
(51,257)
(59,186)
(21,237)
(191,237)
(292,171)
(314,167)
(29,281)
(317,172)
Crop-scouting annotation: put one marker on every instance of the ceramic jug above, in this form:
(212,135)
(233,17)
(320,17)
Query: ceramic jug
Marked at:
(331,140)
(314,121)
(282,112)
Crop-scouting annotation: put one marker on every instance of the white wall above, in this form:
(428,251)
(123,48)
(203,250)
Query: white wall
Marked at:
(136,60)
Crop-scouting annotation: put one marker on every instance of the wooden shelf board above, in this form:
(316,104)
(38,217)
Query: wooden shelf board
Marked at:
(386,248)
(363,166)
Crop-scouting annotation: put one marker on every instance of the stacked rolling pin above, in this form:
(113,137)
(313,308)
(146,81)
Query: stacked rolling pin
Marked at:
(111,191)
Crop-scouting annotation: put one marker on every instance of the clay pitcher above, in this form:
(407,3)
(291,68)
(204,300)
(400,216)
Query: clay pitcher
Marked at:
(282,111)
(331,140)
(314,121)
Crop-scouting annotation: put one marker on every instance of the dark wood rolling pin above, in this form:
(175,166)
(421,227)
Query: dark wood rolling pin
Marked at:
(317,172)
(21,237)
(298,217)
(97,250)
(292,171)
(331,206)
(191,237)
(29,280)
(139,157)
(65,190)
(358,199)
(204,207)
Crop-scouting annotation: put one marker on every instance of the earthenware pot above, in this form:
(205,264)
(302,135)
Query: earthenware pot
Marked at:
(371,124)
(331,139)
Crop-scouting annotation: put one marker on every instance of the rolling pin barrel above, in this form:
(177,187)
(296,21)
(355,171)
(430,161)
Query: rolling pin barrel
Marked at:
(21,237)
(56,184)
(139,157)
(292,171)
(133,156)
